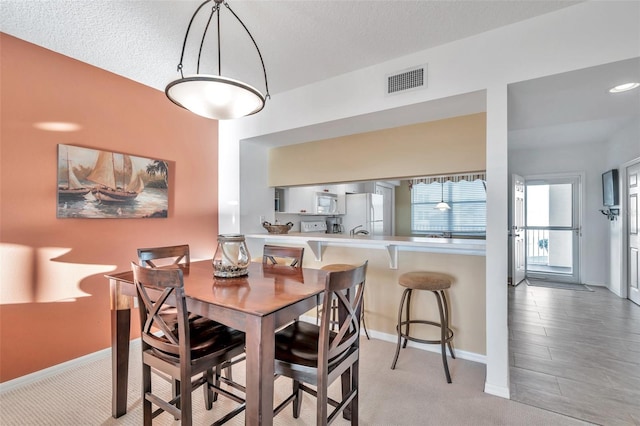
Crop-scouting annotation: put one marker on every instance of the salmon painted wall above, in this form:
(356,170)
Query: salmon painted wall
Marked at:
(54,299)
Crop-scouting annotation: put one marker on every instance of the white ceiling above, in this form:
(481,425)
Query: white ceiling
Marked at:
(306,41)
(573,107)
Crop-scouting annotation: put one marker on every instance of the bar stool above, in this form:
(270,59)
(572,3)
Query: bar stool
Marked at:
(437,284)
(338,267)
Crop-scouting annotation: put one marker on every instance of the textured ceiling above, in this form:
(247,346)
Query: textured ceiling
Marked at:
(303,42)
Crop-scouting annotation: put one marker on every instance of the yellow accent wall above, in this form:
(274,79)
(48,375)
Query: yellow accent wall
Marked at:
(382,292)
(403,209)
(453,145)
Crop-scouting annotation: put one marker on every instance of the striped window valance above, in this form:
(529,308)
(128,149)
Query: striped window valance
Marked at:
(449,178)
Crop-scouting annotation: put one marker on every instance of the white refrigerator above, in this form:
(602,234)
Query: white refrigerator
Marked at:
(365,210)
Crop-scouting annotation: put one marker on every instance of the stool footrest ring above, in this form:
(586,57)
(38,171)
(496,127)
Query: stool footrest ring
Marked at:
(446,333)
(448,338)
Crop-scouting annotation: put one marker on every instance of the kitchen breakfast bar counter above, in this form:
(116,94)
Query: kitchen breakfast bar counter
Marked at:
(389,257)
(392,244)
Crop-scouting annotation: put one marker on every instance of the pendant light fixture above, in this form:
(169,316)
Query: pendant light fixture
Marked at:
(442,206)
(215,96)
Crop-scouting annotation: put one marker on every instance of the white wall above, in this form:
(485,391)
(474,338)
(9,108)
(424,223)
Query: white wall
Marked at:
(580,36)
(623,147)
(256,205)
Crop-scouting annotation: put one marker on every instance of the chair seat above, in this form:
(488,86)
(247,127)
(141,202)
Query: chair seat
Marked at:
(206,337)
(201,328)
(298,343)
(424,280)
(169,315)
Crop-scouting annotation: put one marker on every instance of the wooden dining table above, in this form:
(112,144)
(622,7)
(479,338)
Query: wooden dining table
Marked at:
(269,297)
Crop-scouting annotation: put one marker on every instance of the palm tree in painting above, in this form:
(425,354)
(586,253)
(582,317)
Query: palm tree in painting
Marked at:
(158,167)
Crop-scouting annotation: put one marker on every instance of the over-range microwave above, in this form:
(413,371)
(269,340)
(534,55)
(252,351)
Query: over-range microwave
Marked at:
(326,203)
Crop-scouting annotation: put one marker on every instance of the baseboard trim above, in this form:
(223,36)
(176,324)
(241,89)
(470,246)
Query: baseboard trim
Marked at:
(56,369)
(67,365)
(393,338)
(501,391)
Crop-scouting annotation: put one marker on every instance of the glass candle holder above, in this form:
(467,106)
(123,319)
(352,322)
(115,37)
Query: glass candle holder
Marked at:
(232,256)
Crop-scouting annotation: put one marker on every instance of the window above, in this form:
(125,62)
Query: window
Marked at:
(468,213)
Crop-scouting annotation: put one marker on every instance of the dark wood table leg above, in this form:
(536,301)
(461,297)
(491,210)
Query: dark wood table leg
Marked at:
(260,349)
(120,335)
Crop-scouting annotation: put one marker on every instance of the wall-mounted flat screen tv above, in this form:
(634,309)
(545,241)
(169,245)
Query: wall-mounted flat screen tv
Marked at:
(610,188)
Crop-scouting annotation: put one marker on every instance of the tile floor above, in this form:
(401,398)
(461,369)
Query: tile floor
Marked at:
(576,353)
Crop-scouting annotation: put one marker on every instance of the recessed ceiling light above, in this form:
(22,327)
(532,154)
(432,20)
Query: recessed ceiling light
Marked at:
(624,87)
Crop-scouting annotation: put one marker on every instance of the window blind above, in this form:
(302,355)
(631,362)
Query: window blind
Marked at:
(468,202)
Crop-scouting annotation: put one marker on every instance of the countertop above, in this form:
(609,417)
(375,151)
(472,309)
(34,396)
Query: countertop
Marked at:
(374,239)
(392,244)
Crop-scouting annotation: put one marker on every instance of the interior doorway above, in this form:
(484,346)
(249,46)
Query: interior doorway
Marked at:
(552,224)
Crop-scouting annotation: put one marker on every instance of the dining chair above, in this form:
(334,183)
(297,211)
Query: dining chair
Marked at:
(315,355)
(279,255)
(183,352)
(177,255)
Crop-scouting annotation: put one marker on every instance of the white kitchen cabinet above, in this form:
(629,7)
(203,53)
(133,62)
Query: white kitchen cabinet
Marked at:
(333,189)
(351,188)
(300,199)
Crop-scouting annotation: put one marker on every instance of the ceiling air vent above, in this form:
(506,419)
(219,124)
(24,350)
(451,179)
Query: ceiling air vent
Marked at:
(414,78)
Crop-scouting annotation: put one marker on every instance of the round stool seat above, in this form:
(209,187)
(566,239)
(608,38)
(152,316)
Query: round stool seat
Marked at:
(424,280)
(337,267)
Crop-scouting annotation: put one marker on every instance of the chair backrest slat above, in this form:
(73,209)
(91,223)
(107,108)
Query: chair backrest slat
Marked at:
(291,255)
(157,289)
(347,288)
(169,255)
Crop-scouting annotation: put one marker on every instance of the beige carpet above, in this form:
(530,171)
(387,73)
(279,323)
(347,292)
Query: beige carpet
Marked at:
(415,393)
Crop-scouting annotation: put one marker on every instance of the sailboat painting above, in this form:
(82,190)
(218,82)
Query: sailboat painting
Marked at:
(101,184)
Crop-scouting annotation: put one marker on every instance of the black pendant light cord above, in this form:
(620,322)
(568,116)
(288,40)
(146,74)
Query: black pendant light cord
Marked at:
(264,70)
(186,36)
(216,9)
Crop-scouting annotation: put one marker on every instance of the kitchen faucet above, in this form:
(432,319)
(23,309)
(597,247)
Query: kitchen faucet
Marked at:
(353,232)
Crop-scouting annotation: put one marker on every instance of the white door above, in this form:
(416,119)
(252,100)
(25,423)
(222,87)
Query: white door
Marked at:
(552,223)
(633,182)
(517,230)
